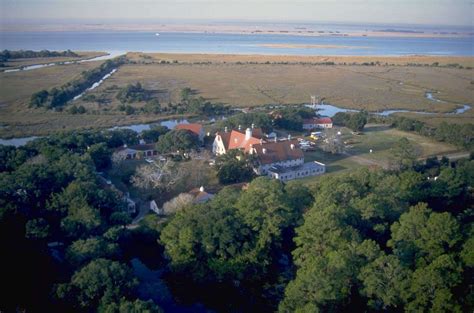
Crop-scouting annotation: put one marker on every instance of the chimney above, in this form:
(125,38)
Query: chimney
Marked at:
(289,137)
(276,139)
(225,129)
(201,189)
(142,142)
(248,134)
(292,146)
(240,127)
(253,125)
(125,145)
(264,150)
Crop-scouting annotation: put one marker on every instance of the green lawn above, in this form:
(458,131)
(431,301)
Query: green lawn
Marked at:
(334,162)
(381,139)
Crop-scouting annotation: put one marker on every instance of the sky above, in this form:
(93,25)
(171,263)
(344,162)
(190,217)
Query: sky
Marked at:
(431,12)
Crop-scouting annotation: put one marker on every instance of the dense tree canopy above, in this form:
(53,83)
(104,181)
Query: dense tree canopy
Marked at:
(246,120)
(133,93)
(364,241)
(353,121)
(152,135)
(100,282)
(6,55)
(177,140)
(60,229)
(357,121)
(291,118)
(234,167)
(236,236)
(370,241)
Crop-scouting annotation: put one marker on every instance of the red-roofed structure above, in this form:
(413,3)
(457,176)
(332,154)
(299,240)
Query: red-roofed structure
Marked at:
(236,139)
(324,122)
(281,153)
(270,156)
(195,128)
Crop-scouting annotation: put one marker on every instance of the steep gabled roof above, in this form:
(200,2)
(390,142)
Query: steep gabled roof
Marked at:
(237,140)
(194,128)
(277,151)
(257,133)
(225,138)
(322,120)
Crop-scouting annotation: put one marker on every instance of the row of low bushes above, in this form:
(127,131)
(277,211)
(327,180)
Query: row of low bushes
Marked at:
(6,55)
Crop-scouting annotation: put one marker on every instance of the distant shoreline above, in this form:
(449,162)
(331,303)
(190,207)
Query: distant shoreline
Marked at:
(308,46)
(232,29)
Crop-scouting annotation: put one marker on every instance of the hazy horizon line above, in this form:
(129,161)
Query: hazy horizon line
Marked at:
(224,20)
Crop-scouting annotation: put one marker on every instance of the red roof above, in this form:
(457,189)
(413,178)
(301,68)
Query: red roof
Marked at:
(278,151)
(236,139)
(257,133)
(195,128)
(322,120)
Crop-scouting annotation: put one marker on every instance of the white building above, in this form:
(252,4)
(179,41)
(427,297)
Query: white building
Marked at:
(314,123)
(270,157)
(304,170)
(281,153)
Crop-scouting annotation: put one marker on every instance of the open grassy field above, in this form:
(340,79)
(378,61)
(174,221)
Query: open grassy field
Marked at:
(250,83)
(381,139)
(17,63)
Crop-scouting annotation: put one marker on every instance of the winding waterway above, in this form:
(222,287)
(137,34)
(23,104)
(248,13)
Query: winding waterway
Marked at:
(330,110)
(322,109)
(21,141)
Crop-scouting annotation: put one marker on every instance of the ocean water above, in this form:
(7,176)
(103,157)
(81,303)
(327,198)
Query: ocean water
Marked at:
(118,41)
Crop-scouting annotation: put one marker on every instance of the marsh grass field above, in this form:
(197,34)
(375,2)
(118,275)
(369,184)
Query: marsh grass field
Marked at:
(245,81)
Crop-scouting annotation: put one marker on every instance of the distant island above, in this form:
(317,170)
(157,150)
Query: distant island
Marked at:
(390,30)
(308,46)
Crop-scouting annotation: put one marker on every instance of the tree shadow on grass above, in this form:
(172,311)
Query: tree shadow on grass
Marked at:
(376,128)
(335,168)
